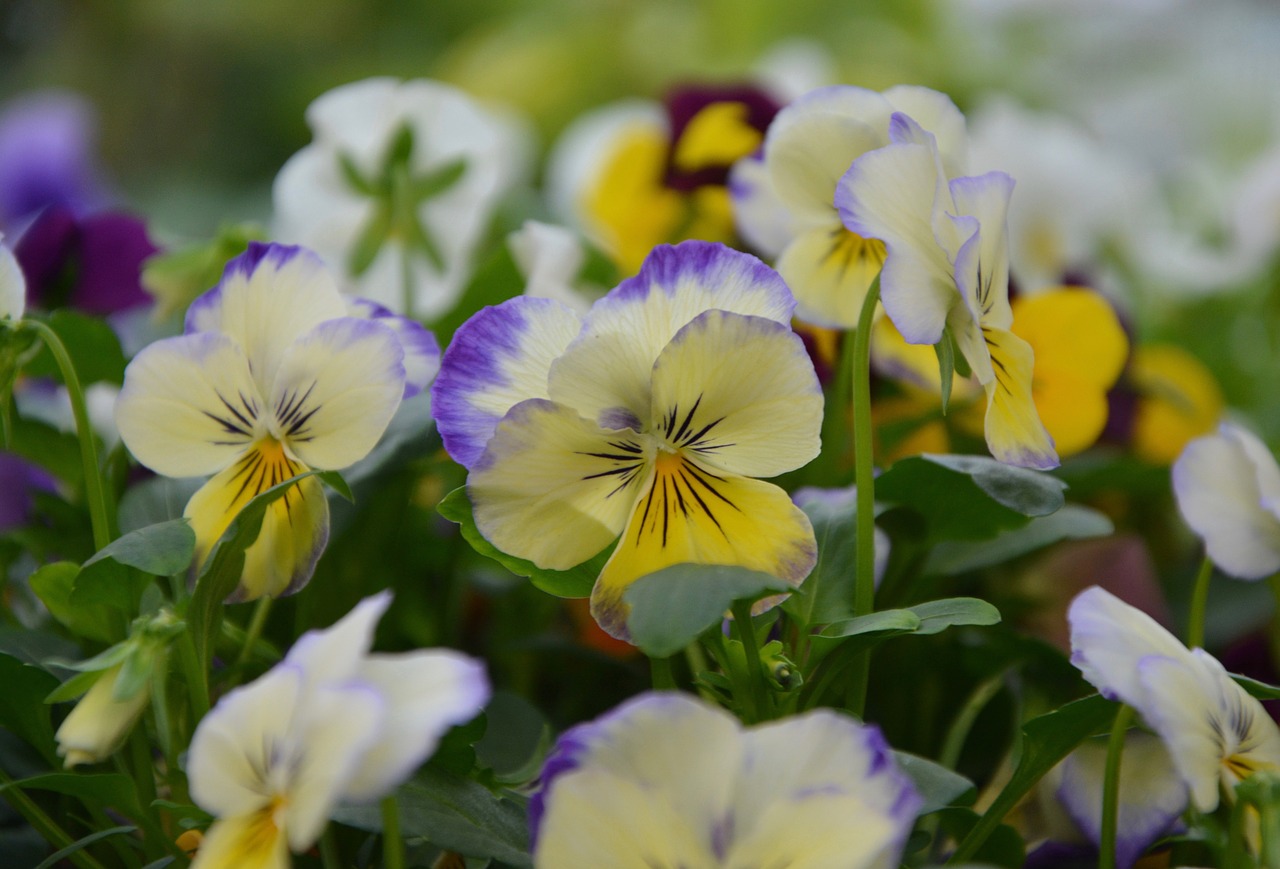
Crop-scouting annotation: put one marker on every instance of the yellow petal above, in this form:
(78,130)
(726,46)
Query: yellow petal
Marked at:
(1073,330)
(250,841)
(694,514)
(716,136)
(1178,400)
(1073,409)
(1013,429)
(829,269)
(294,529)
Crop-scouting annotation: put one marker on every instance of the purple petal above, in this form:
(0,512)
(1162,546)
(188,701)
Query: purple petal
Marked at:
(45,156)
(19,480)
(113,247)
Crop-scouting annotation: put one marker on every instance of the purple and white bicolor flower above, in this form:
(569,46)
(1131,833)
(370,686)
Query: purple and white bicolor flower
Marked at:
(272,378)
(1215,732)
(946,268)
(421,350)
(668,780)
(1228,490)
(648,419)
(331,724)
(785,200)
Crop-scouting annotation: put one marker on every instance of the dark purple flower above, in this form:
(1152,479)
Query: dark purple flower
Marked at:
(92,264)
(686,103)
(19,481)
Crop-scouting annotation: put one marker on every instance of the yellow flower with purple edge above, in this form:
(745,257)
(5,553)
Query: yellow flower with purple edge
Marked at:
(272,378)
(647,421)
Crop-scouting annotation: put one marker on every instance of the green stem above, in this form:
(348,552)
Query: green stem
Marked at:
(755,699)
(329,857)
(254,631)
(95,491)
(864,554)
(663,678)
(1199,603)
(196,677)
(1111,789)
(43,824)
(392,843)
(963,723)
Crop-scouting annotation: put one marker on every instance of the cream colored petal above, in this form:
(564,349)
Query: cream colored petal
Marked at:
(816,831)
(336,389)
(830,269)
(189,405)
(553,487)
(936,113)
(739,392)
(336,653)
(13,286)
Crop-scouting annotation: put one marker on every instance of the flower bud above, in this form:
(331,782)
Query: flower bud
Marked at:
(101,721)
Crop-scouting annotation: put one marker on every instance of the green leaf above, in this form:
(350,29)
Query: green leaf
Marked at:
(74,687)
(455,814)
(222,569)
(969,497)
(57,857)
(335,481)
(1003,847)
(516,740)
(875,626)
(22,709)
(439,179)
(100,789)
(671,607)
(575,582)
(938,615)
(1072,522)
(1260,690)
(92,345)
(937,785)
(826,595)
(1046,740)
(946,353)
(54,585)
(117,574)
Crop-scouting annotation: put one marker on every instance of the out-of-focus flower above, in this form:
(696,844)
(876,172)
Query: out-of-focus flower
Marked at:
(13,286)
(121,692)
(666,780)
(635,175)
(1164,399)
(1228,489)
(649,420)
(19,481)
(92,264)
(397,188)
(330,724)
(947,268)
(46,157)
(1215,732)
(785,199)
(270,380)
(49,402)
(550,258)
(1074,195)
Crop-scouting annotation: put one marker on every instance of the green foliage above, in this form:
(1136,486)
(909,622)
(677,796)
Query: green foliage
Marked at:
(117,575)
(92,345)
(573,583)
(1072,522)
(826,595)
(22,709)
(922,620)
(671,607)
(938,786)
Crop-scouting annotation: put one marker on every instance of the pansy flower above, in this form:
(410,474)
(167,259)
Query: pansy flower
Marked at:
(330,724)
(397,188)
(644,423)
(1165,398)
(784,199)
(1216,733)
(271,379)
(1228,489)
(636,174)
(667,780)
(13,286)
(947,268)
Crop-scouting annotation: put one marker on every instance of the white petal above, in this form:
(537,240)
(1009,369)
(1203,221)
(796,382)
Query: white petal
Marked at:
(13,286)
(189,405)
(425,693)
(359,117)
(230,760)
(316,206)
(761,218)
(891,194)
(936,113)
(550,258)
(497,359)
(982,265)
(1219,482)
(268,296)
(609,365)
(817,831)
(1108,639)
(336,389)
(336,653)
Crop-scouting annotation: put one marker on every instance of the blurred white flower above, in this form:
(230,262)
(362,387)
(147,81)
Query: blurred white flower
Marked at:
(398,188)
(550,258)
(13,286)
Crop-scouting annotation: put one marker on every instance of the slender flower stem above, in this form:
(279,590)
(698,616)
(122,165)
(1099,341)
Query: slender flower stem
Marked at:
(197,678)
(329,857)
(963,723)
(755,700)
(95,491)
(1199,603)
(392,843)
(663,678)
(864,554)
(1111,789)
(254,632)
